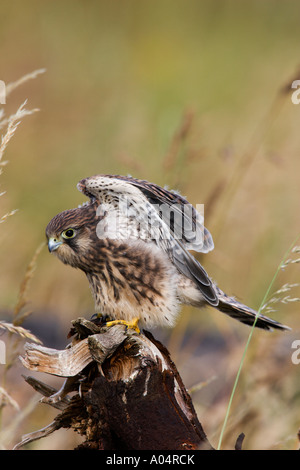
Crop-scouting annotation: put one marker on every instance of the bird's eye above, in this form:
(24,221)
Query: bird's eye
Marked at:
(70,233)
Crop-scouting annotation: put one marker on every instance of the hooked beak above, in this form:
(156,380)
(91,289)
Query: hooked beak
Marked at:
(53,244)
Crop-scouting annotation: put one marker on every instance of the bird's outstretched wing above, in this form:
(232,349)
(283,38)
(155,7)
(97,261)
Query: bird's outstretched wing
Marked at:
(175,225)
(184,221)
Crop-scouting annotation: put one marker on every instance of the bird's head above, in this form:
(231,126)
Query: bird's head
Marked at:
(71,235)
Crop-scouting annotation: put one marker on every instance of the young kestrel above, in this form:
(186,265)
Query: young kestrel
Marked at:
(133,241)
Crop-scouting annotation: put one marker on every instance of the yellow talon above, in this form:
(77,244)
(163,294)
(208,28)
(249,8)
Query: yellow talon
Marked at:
(129,324)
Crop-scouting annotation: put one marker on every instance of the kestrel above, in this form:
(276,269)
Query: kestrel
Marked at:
(133,239)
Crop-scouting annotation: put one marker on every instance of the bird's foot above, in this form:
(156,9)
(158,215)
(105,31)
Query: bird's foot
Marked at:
(133,324)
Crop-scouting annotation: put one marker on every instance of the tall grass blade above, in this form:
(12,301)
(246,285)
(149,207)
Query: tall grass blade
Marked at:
(282,263)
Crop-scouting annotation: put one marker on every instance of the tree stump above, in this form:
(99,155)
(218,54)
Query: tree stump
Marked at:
(126,392)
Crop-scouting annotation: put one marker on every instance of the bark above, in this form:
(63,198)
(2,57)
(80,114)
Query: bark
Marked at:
(128,392)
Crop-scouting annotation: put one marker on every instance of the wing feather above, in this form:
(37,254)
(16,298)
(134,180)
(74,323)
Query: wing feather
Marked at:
(147,199)
(187,223)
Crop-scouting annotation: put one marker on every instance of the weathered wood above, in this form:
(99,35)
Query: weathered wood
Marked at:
(129,394)
(72,360)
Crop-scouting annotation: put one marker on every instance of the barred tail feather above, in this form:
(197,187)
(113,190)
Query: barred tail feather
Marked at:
(246,315)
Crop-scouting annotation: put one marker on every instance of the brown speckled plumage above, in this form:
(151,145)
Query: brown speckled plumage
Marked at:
(131,272)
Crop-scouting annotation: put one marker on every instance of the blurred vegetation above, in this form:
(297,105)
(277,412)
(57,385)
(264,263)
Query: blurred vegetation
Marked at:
(190,94)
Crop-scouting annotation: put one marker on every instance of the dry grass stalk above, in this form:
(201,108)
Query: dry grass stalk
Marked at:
(18,330)
(201,385)
(7,399)
(13,123)
(276,298)
(18,316)
(12,86)
(290,261)
(8,214)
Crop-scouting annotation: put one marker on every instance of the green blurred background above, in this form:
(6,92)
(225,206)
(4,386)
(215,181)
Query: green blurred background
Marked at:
(186,93)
